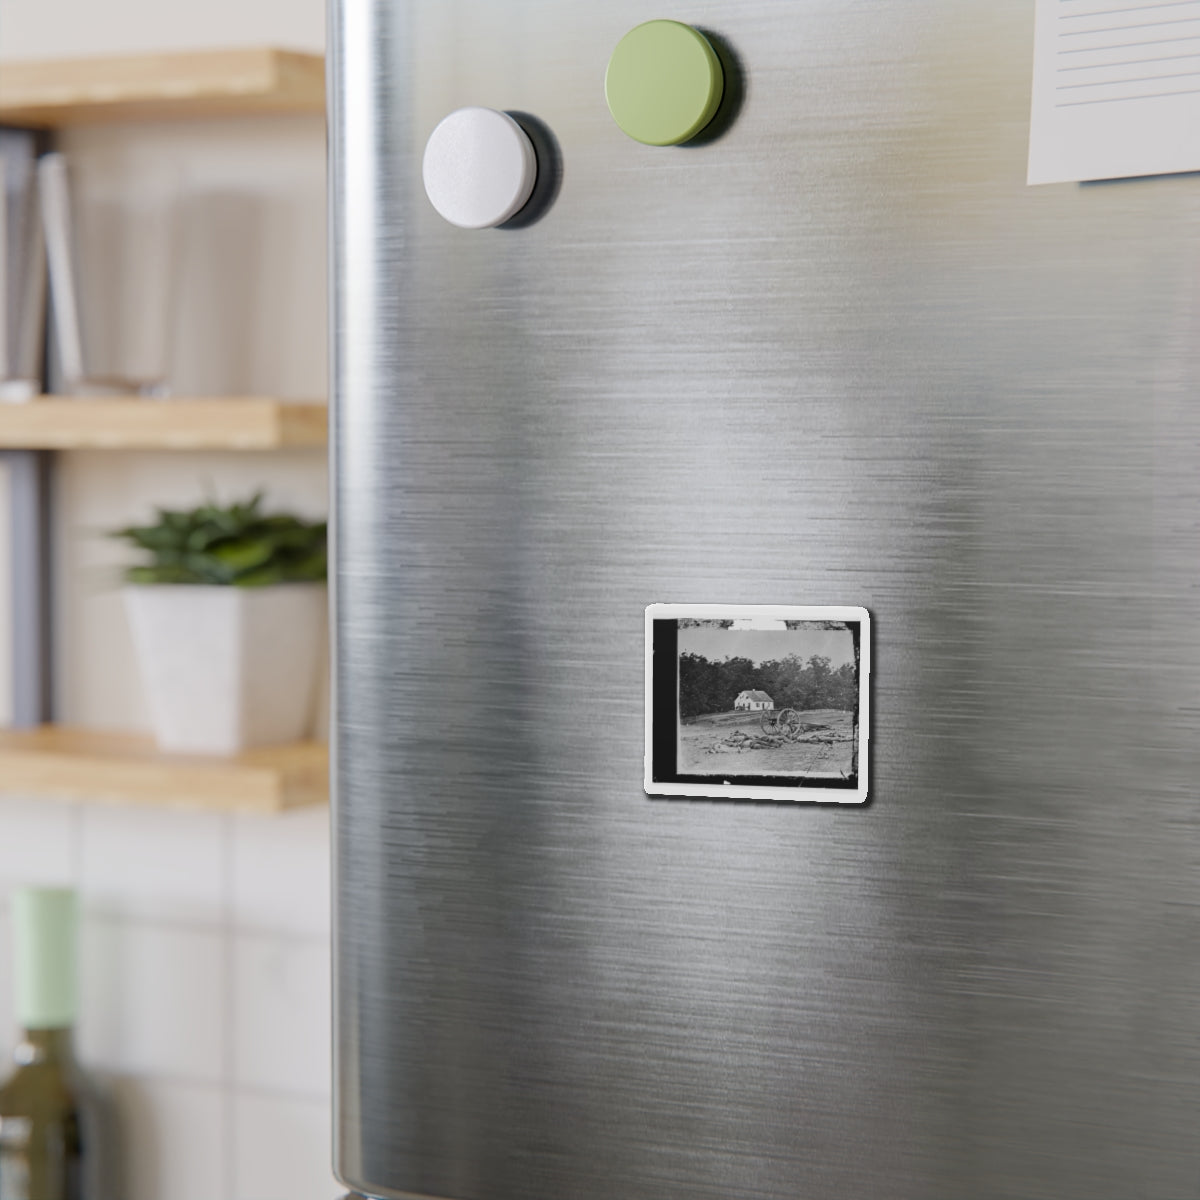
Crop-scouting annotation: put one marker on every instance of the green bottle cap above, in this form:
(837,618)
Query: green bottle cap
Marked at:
(664,83)
(44,924)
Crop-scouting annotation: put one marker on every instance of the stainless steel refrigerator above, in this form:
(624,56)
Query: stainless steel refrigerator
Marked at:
(831,351)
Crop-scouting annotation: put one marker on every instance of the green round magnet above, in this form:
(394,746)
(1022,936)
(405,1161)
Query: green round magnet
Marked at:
(664,83)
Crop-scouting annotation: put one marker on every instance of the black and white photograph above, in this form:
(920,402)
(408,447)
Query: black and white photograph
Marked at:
(757,702)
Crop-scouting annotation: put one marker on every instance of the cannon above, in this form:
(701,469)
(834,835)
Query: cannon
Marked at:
(786,723)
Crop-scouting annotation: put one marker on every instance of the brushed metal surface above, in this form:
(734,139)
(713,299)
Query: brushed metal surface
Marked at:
(840,355)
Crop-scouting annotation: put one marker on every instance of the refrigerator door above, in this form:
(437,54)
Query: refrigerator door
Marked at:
(838,354)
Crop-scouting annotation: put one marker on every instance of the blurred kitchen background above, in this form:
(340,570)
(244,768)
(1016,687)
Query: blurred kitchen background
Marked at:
(205,946)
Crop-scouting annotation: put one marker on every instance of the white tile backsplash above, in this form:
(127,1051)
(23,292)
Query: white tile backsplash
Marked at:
(38,841)
(154,1000)
(281,872)
(205,980)
(282,1150)
(281,1014)
(154,864)
(170,1140)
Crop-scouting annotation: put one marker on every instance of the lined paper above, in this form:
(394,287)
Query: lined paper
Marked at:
(1116,89)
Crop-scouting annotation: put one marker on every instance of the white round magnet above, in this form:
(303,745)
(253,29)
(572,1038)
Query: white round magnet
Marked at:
(479,168)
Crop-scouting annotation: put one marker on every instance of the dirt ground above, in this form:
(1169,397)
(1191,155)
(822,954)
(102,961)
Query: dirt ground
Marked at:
(702,750)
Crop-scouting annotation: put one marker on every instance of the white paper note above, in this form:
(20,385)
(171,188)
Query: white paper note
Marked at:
(1116,89)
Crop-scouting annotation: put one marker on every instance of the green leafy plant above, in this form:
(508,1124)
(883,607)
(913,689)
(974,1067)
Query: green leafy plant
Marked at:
(238,546)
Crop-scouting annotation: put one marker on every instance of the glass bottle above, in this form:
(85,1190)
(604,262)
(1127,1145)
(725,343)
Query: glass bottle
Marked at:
(42,1130)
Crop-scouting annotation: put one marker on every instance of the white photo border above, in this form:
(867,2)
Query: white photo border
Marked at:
(804,792)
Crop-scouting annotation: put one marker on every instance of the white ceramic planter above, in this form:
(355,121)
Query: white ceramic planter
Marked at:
(228,668)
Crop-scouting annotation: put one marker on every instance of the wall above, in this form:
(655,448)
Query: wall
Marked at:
(63,28)
(205,941)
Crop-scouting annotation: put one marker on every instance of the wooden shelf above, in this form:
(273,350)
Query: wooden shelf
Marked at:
(229,423)
(77,764)
(216,83)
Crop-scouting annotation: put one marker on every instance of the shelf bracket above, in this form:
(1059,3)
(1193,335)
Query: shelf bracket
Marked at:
(29,474)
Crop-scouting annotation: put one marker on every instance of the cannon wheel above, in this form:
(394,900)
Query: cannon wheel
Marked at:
(782,722)
(790,725)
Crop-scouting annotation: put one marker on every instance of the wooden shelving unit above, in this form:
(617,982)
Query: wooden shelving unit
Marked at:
(79,764)
(218,83)
(83,765)
(228,423)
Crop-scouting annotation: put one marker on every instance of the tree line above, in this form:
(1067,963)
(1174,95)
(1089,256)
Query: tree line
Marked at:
(710,687)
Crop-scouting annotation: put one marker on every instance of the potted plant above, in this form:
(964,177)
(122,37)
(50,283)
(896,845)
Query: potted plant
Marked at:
(228,621)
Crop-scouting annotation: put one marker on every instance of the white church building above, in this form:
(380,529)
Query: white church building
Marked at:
(753,700)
